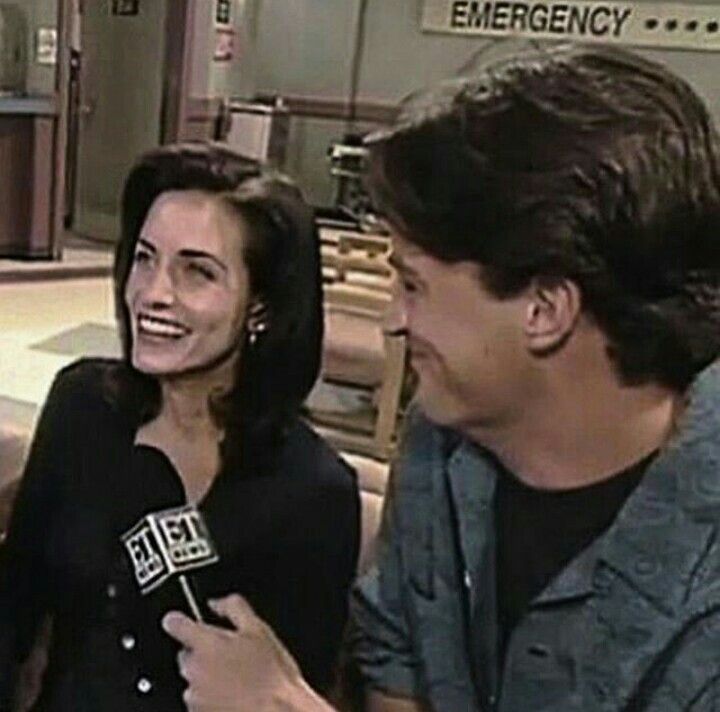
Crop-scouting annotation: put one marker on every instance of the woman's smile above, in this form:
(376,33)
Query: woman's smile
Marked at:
(162,328)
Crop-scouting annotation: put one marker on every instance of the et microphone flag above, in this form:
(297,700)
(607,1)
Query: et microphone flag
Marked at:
(163,544)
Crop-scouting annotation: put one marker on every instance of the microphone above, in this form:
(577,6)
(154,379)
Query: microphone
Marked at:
(168,543)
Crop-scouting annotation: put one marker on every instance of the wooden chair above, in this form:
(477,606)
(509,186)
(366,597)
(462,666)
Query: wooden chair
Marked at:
(357,354)
(354,258)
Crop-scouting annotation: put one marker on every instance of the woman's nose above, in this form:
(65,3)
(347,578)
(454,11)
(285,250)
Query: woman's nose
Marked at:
(159,288)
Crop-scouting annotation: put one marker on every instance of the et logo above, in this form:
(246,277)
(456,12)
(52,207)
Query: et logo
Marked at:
(169,542)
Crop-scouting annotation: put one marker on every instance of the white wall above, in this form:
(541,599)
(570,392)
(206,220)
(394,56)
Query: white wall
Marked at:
(305,46)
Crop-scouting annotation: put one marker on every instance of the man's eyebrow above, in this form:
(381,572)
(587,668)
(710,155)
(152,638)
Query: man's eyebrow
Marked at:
(201,254)
(146,244)
(398,264)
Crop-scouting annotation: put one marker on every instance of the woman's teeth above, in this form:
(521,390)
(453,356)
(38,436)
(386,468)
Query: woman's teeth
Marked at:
(157,327)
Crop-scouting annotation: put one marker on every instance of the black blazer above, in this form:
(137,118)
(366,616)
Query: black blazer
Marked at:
(288,541)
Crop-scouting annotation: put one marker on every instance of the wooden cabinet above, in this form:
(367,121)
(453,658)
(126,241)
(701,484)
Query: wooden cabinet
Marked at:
(27,134)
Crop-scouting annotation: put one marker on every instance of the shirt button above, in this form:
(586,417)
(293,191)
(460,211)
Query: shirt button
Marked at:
(467,580)
(645,567)
(127,641)
(111,591)
(144,685)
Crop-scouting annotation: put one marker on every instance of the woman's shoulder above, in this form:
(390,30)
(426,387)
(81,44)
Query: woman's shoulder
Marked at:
(84,381)
(87,372)
(317,459)
(327,489)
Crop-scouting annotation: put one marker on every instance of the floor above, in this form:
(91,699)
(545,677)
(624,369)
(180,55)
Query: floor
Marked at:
(44,325)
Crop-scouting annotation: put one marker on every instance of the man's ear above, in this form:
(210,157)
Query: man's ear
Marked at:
(553,310)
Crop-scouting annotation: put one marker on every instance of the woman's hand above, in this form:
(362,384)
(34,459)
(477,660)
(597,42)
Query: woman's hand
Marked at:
(238,670)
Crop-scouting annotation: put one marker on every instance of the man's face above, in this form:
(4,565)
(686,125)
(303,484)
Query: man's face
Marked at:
(467,347)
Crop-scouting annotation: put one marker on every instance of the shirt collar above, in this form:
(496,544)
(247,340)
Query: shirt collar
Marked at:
(660,534)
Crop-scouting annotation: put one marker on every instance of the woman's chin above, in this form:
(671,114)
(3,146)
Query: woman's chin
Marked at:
(155,365)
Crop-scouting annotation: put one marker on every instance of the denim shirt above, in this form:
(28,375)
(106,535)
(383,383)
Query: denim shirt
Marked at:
(632,623)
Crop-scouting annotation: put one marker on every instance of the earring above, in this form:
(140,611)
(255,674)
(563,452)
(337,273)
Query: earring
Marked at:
(255,328)
(257,322)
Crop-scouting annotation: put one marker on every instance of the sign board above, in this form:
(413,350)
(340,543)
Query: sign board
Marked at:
(127,8)
(649,24)
(223,12)
(46,45)
(224,49)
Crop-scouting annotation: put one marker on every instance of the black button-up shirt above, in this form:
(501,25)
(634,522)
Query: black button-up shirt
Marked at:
(287,540)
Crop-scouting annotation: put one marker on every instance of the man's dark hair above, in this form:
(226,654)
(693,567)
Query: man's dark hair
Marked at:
(589,164)
(282,254)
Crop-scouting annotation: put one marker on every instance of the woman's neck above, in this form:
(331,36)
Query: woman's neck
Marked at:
(186,399)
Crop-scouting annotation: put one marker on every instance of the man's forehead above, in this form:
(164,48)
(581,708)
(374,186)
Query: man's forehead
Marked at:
(401,248)
(407,257)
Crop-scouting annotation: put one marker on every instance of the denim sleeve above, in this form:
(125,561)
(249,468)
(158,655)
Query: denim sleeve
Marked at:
(380,639)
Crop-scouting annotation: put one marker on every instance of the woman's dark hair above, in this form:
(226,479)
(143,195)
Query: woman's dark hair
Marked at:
(281,253)
(589,164)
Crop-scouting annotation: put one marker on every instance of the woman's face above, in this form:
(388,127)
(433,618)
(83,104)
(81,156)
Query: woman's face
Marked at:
(188,288)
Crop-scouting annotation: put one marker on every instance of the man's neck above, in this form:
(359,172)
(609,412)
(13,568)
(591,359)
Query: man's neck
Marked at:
(585,428)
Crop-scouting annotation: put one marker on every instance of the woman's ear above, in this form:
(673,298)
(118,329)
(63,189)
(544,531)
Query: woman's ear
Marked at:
(553,310)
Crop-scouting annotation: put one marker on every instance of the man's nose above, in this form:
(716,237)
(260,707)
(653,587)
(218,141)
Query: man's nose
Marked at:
(395,318)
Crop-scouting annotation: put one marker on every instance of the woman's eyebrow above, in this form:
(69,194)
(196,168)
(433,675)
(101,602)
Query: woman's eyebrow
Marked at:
(201,254)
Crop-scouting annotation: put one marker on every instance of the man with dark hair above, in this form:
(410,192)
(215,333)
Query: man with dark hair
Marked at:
(550,539)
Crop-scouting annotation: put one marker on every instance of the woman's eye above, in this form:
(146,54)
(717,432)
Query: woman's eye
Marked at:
(202,271)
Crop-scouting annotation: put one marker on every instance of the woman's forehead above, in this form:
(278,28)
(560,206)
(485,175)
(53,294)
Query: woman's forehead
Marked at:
(181,220)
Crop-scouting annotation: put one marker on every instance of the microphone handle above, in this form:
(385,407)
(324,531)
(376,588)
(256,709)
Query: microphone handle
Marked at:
(190,598)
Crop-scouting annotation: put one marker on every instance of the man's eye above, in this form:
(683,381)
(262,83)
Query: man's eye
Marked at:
(141,256)
(408,286)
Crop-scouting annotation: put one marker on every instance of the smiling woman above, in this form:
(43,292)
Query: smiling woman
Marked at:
(218,296)
(187,292)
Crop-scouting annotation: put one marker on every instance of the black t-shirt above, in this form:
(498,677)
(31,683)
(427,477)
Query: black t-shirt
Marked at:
(540,531)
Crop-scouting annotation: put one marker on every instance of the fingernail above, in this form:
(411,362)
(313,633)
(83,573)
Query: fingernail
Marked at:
(169,619)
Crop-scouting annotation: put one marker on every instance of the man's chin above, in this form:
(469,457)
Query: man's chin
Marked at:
(433,408)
